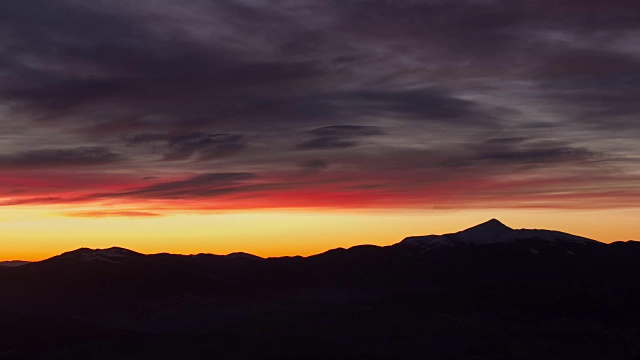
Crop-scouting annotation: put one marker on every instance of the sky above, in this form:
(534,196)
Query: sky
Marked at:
(291,127)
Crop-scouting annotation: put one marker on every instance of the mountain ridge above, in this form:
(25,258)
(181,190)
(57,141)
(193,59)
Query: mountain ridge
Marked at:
(493,232)
(492,300)
(13,263)
(490,232)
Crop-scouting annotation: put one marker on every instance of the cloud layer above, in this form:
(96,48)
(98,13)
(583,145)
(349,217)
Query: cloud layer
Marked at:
(378,103)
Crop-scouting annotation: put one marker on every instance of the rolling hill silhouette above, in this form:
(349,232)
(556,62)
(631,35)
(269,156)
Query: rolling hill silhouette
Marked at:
(487,292)
(13,263)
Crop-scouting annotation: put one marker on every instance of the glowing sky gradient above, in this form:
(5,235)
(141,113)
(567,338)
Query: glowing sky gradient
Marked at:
(290,127)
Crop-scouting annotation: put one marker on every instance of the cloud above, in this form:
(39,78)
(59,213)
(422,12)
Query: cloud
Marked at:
(202,146)
(104,214)
(338,136)
(78,62)
(516,152)
(592,63)
(420,104)
(201,186)
(495,91)
(538,156)
(506,140)
(314,165)
(63,157)
(196,186)
(606,105)
(114,58)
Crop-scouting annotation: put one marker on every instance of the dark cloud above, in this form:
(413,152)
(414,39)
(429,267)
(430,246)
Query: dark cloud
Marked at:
(346,131)
(202,146)
(520,151)
(208,185)
(67,61)
(592,86)
(79,156)
(423,104)
(592,63)
(475,89)
(314,165)
(607,104)
(538,156)
(338,136)
(66,68)
(506,140)
(61,95)
(196,186)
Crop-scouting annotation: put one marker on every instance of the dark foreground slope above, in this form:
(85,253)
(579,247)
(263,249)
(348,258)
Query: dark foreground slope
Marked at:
(489,292)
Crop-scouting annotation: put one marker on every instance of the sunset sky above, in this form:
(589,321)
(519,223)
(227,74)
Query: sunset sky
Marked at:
(292,127)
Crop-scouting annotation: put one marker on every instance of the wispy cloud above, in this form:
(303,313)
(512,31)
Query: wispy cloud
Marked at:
(338,136)
(62,157)
(105,214)
(202,146)
(319,104)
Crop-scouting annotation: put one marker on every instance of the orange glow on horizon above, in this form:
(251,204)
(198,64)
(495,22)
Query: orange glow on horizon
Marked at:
(36,233)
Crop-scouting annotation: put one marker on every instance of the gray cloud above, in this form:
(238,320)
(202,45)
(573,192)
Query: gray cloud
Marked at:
(593,63)
(66,68)
(490,86)
(423,104)
(538,155)
(196,186)
(519,151)
(338,136)
(314,165)
(506,140)
(79,156)
(202,146)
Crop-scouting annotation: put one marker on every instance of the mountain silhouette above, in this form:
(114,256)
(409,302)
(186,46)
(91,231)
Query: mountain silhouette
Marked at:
(487,292)
(494,232)
(13,263)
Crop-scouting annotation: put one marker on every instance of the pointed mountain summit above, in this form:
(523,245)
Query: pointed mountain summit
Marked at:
(493,232)
(484,233)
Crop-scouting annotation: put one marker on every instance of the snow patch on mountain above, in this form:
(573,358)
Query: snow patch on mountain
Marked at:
(492,232)
(113,254)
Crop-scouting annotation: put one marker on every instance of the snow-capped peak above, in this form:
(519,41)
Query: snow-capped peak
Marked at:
(492,232)
(484,233)
(112,254)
